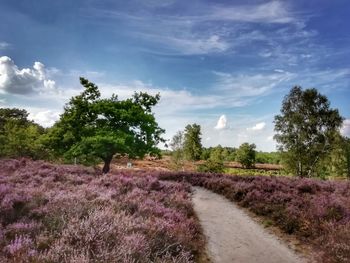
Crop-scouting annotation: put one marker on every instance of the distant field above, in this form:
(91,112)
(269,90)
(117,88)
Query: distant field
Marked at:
(165,164)
(242,171)
(235,168)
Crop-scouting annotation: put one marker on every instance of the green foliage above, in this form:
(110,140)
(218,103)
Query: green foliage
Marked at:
(215,162)
(224,153)
(177,155)
(13,114)
(211,166)
(205,154)
(268,157)
(20,137)
(337,162)
(245,155)
(305,130)
(94,129)
(217,153)
(347,156)
(192,142)
(255,172)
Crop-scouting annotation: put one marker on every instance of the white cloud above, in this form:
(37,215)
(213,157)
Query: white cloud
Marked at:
(189,44)
(222,123)
(345,130)
(257,127)
(184,34)
(271,12)
(243,85)
(45,118)
(23,81)
(4,45)
(171,100)
(269,138)
(176,109)
(198,46)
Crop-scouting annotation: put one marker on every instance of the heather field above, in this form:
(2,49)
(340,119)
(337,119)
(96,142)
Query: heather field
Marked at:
(316,212)
(66,213)
(59,213)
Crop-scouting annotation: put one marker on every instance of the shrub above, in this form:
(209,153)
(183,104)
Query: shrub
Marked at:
(211,166)
(246,155)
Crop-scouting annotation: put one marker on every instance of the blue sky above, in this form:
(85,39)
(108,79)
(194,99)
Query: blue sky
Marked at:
(223,64)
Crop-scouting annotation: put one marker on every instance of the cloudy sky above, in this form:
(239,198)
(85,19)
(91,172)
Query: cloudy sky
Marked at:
(225,65)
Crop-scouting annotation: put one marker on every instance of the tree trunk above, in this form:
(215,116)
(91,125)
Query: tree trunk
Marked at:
(106,166)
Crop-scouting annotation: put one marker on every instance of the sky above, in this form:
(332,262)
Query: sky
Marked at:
(225,65)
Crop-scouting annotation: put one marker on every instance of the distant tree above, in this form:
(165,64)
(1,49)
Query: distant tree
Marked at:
(229,154)
(19,137)
(305,129)
(337,162)
(94,128)
(245,155)
(205,155)
(216,153)
(177,146)
(211,166)
(214,164)
(268,157)
(192,142)
(225,154)
(347,156)
(20,116)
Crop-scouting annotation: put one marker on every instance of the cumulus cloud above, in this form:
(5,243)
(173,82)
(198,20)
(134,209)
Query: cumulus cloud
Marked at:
(24,81)
(45,118)
(222,123)
(257,127)
(345,130)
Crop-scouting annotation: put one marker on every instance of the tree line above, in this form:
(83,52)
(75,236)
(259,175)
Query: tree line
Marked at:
(91,128)
(308,136)
(95,129)
(187,146)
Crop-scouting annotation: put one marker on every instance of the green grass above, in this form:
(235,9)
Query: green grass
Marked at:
(242,171)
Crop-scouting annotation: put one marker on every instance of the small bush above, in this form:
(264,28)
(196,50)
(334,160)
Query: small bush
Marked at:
(211,166)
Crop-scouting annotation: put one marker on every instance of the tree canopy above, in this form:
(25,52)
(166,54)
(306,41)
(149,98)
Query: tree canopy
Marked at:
(192,142)
(92,127)
(305,129)
(245,155)
(177,155)
(19,137)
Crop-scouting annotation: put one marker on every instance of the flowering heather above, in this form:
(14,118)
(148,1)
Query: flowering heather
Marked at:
(60,213)
(317,212)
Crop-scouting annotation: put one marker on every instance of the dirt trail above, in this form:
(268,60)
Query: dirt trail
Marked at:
(233,236)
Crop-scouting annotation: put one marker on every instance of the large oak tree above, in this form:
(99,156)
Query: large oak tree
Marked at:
(92,127)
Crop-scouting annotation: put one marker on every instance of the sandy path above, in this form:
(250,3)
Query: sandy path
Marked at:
(233,236)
